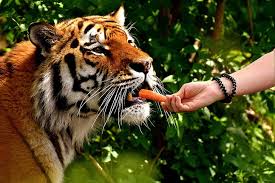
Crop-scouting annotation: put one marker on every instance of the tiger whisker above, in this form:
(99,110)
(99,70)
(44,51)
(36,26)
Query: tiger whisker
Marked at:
(130,26)
(107,89)
(140,129)
(104,112)
(159,85)
(122,106)
(90,97)
(167,115)
(151,122)
(146,125)
(87,95)
(99,89)
(115,101)
(107,99)
(96,93)
(119,109)
(101,110)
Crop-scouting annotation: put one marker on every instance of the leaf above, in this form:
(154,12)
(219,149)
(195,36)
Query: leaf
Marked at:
(114,154)
(17,2)
(108,148)
(270,159)
(107,158)
(169,79)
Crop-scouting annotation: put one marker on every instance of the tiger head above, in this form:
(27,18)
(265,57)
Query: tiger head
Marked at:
(91,70)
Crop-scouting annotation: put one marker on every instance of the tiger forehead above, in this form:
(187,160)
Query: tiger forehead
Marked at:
(88,23)
(103,30)
(90,19)
(109,30)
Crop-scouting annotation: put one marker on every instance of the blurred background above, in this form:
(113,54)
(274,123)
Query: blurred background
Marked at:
(189,40)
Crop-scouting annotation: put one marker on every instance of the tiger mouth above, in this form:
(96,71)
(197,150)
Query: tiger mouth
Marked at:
(133,98)
(131,109)
(137,109)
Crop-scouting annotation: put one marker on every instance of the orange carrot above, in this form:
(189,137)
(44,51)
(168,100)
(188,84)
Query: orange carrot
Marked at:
(151,95)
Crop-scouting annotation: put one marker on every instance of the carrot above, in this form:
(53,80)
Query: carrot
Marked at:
(151,95)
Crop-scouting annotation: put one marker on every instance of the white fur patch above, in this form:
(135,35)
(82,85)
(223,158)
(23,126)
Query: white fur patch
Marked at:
(82,127)
(136,114)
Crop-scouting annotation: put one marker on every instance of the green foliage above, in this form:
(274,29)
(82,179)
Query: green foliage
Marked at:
(221,143)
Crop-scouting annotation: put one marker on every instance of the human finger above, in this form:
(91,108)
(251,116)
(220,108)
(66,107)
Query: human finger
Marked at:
(168,102)
(173,103)
(164,106)
(179,105)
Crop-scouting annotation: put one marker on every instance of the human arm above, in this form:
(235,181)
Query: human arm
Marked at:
(255,77)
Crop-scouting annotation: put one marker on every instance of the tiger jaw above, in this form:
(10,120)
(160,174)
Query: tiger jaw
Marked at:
(136,114)
(137,110)
(124,104)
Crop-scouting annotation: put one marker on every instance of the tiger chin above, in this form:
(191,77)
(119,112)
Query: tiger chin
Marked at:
(67,82)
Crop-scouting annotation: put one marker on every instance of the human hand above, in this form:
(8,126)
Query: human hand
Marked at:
(193,96)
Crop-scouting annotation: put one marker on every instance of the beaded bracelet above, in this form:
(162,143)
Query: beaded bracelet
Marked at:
(227,97)
(233,81)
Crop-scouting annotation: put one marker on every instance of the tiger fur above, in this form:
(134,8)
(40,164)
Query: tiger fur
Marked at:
(62,85)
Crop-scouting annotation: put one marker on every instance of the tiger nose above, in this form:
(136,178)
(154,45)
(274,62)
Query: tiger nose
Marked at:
(142,65)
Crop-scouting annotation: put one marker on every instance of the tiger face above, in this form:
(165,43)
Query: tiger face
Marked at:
(91,71)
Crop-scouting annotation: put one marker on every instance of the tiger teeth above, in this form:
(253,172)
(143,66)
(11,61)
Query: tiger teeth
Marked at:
(129,96)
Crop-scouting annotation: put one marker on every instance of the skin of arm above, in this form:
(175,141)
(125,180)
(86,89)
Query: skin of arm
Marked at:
(255,77)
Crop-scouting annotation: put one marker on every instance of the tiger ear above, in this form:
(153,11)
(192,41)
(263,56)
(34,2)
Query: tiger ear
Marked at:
(43,36)
(119,15)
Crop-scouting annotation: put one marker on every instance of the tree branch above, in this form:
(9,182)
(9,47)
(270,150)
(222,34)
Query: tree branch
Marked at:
(250,20)
(99,168)
(219,15)
(153,163)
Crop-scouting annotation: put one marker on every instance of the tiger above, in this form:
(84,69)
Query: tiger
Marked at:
(64,84)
